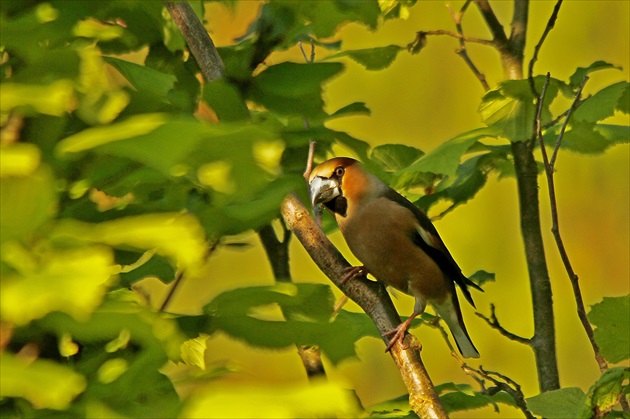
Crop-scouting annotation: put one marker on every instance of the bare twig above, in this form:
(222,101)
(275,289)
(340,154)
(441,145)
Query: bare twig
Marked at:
(462,51)
(179,277)
(494,323)
(555,229)
(197,38)
(460,36)
(309,159)
(550,24)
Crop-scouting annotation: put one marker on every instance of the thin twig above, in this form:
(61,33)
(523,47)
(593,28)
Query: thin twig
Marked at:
(452,34)
(555,229)
(550,24)
(462,51)
(309,159)
(494,323)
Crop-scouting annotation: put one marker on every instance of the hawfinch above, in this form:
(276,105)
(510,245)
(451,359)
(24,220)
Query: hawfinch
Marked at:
(396,242)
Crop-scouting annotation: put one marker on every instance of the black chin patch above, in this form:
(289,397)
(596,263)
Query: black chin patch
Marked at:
(339,205)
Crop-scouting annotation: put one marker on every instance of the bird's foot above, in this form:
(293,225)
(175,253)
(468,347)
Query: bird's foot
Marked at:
(353,272)
(398,333)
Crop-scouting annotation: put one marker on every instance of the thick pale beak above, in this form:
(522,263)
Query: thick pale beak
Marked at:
(323,190)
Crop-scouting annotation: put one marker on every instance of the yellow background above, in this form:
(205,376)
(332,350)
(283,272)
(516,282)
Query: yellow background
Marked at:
(423,100)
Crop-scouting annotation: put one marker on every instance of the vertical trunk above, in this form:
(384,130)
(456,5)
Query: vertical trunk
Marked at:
(544,339)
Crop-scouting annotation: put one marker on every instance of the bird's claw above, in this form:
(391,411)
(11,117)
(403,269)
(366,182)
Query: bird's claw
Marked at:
(353,272)
(398,335)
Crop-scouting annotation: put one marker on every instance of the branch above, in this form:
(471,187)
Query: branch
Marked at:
(462,51)
(493,23)
(479,375)
(197,38)
(550,24)
(555,229)
(372,297)
(452,34)
(278,255)
(493,322)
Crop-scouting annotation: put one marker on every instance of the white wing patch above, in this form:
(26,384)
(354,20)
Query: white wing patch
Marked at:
(427,237)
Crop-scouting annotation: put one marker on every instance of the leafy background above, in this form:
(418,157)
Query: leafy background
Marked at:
(420,100)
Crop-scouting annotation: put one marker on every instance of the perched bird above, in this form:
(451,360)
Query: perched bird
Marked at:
(396,242)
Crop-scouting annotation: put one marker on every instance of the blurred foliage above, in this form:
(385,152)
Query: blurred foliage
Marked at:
(104,183)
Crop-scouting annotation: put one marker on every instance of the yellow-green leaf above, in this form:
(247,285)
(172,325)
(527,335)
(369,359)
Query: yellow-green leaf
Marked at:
(47,385)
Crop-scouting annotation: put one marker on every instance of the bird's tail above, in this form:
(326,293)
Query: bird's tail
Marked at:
(449,311)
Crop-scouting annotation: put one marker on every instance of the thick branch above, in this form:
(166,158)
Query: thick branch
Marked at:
(372,297)
(197,38)
(496,28)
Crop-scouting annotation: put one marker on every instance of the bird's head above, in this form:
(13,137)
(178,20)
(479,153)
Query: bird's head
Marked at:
(338,181)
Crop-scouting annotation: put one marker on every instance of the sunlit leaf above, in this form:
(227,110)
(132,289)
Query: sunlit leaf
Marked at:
(19,160)
(606,391)
(93,137)
(612,329)
(446,157)
(53,99)
(178,236)
(194,350)
(46,384)
(602,104)
(72,281)
(315,399)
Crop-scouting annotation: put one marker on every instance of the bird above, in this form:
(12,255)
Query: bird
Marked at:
(396,243)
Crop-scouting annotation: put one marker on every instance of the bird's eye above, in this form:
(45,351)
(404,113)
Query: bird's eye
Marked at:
(339,171)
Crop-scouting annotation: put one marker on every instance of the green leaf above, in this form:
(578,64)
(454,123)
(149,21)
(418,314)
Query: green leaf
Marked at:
(576,78)
(72,281)
(396,408)
(604,394)
(564,403)
(194,350)
(456,397)
(590,138)
(225,99)
(45,384)
(144,79)
(28,196)
(293,89)
(138,266)
(612,332)
(52,99)
(307,308)
(372,59)
(395,157)
(316,399)
(396,9)
(446,157)
(93,137)
(177,236)
(481,277)
(356,108)
(602,104)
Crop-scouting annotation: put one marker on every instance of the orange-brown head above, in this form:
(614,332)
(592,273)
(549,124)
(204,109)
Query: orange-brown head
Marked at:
(339,181)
